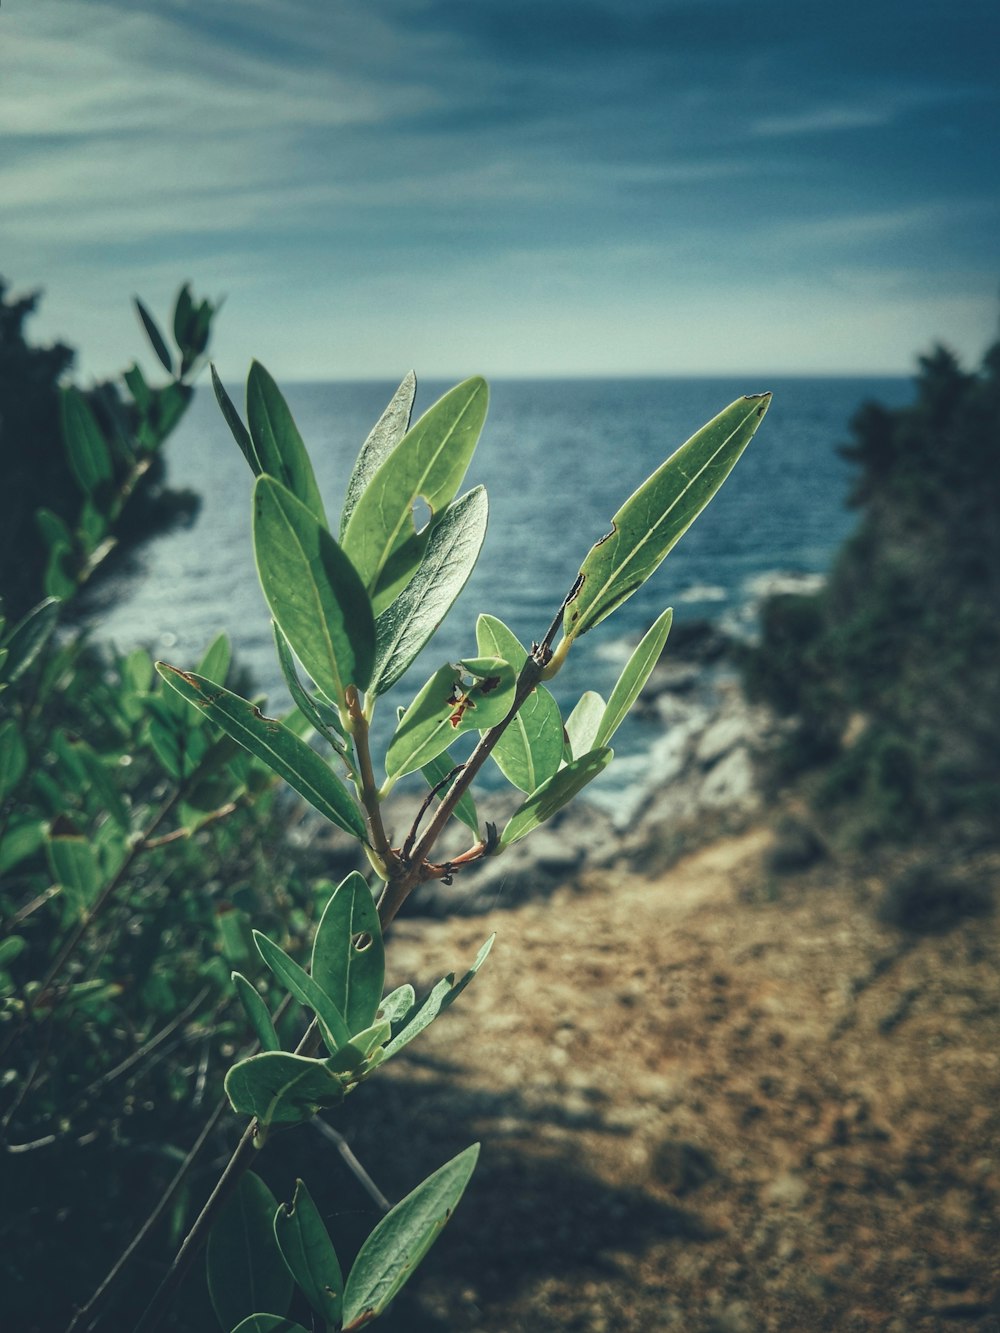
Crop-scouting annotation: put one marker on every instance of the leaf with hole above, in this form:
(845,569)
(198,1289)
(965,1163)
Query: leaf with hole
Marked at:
(387,432)
(282,1089)
(277,442)
(554,794)
(348,957)
(427,465)
(306,990)
(245,1271)
(392,1252)
(277,745)
(404,628)
(637,671)
(309,1255)
(313,590)
(531,748)
(650,522)
(474,693)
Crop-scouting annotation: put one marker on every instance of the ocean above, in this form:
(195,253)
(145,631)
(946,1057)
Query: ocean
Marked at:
(558,457)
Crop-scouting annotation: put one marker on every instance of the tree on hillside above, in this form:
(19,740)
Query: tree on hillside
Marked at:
(892,669)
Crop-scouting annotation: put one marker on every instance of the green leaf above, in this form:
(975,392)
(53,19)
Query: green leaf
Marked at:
(282,1089)
(321,715)
(13,756)
(554,794)
(274,743)
(268,1323)
(257,1012)
(89,459)
(404,628)
(19,840)
(10,948)
(531,748)
(436,771)
(138,388)
(387,432)
(155,337)
(584,723)
(314,592)
(397,1004)
(29,636)
(397,1245)
(183,315)
(348,958)
(277,441)
(245,1272)
(306,990)
(235,423)
(428,464)
(445,993)
(634,677)
(309,1254)
(447,706)
(74,866)
(361,1048)
(659,513)
(218,655)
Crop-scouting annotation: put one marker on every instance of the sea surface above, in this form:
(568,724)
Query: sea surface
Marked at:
(558,457)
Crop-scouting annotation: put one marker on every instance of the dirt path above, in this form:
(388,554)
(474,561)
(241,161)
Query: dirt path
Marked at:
(707,1102)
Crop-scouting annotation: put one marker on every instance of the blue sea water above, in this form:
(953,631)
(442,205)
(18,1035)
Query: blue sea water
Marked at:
(558,457)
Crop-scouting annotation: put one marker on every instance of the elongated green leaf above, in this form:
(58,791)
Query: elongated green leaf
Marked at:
(21,839)
(348,958)
(154,335)
(361,1049)
(257,1012)
(86,449)
(216,659)
(309,1255)
(245,1272)
(554,794)
(321,715)
(282,1089)
(29,636)
(435,1002)
(428,464)
(474,693)
(314,592)
(403,630)
(268,1323)
(387,432)
(397,1245)
(13,756)
(183,313)
(277,441)
(634,677)
(436,771)
(74,866)
(659,513)
(530,750)
(235,423)
(584,723)
(306,990)
(274,743)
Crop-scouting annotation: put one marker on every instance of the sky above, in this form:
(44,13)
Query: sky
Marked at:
(626,187)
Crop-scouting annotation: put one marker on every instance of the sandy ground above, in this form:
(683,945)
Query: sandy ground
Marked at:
(713,1100)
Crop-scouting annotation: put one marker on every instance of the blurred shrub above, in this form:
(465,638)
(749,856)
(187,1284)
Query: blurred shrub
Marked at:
(891,670)
(928,899)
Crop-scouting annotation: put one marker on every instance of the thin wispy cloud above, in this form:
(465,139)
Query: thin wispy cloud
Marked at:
(502,182)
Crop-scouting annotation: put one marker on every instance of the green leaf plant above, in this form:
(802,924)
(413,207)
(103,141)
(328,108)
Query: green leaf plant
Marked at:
(352,612)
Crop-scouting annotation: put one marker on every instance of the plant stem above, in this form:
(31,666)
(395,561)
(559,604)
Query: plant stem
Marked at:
(368,787)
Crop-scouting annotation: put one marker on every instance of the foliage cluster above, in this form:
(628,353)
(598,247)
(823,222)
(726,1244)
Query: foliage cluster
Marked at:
(136,828)
(891,669)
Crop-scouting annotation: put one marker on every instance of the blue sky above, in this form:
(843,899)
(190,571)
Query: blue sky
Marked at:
(496,186)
